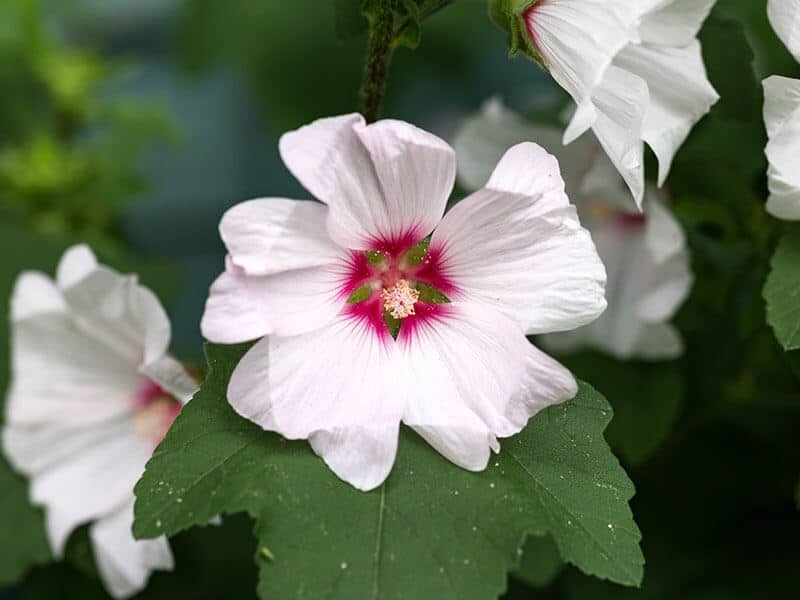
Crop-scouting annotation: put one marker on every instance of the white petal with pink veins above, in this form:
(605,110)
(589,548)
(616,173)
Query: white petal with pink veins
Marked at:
(271,235)
(383,180)
(475,378)
(416,170)
(541,270)
(782,117)
(339,385)
(784,16)
(124,563)
(242,308)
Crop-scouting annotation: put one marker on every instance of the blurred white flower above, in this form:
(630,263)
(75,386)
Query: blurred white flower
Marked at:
(93,391)
(784,16)
(633,67)
(319,279)
(782,117)
(645,254)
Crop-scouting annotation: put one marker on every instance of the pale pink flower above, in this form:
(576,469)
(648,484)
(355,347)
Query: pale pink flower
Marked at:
(92,392)
(316,280)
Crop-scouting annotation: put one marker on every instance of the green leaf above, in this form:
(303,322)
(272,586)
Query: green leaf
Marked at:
(392,323)
(540,563)
(647,398)
(459,533)
(348,19)
(782,290)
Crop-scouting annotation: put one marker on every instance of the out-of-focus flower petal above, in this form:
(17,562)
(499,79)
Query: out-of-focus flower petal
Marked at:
(123,562)
(784,16)
(782,117)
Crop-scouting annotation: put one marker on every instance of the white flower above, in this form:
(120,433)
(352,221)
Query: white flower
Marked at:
(512,258)
(634,69)
(92,393)
(645,254)
(784,16)
(782,116)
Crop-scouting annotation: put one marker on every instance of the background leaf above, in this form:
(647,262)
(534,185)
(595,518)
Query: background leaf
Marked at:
(459,533)
(540,563)
(646,397)
(782,290)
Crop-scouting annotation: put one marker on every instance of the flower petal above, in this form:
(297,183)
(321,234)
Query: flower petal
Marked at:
(362,455)
(35,294)
(330,161)
(113,308)
(91,483)
(416,170)
(172,376)
(782,117)
(381,181)
(648,279)
(485,137)
(60,374)
(541,270)
(674,22)
(577,40)
(680,94)
(124,563)
(528,170)
(621,103)
(341,380)
(784,15)
(475,378)
(241,307)
(271,235)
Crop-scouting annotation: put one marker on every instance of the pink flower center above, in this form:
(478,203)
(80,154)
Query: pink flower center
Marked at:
(155,412)
(396,285)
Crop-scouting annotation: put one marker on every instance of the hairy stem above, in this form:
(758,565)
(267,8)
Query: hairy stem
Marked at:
(379,53)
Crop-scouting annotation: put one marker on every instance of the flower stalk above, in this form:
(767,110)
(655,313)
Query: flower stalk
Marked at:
(379,53)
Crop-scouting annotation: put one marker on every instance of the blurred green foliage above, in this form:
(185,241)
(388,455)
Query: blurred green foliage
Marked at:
(68,155)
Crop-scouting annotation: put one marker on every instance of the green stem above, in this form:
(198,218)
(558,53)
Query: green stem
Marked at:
(379,53)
